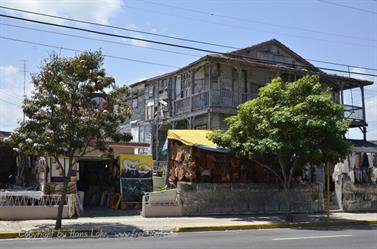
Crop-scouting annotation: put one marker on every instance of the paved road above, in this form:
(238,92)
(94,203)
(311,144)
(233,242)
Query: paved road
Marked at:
(337,238)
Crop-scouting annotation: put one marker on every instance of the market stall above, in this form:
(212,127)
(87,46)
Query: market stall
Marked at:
(192,157)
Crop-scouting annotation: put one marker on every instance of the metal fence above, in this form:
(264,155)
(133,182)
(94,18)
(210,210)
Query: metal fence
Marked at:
(11,199)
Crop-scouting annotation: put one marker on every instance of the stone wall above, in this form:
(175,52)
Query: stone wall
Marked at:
(246,198)
(358,197)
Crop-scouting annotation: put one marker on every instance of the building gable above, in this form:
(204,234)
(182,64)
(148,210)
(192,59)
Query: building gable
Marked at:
(273,52)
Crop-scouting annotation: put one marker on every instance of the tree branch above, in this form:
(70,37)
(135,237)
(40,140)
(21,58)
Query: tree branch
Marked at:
(270,169)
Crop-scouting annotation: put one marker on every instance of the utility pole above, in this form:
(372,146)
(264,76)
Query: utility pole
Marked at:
(24,71)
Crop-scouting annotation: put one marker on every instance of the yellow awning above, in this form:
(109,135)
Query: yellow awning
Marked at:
(196,138)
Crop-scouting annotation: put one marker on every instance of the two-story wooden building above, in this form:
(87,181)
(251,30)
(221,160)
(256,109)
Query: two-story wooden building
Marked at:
(202,94)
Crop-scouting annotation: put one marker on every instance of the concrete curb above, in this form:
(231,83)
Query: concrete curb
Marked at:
(181,229)
(87,233)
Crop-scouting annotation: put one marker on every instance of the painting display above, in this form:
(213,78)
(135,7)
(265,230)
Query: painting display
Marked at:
(136,176)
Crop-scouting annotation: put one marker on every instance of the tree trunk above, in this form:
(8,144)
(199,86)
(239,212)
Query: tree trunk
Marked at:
(288,215)
(67,178)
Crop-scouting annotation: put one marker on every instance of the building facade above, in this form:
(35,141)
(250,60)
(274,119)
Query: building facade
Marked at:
(202,94)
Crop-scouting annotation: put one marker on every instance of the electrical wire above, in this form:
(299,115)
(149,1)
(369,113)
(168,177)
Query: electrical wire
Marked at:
(107,34)
(251,21)
(247,28)
(135,38)
(96,39)
(184,39)
(119,28)
(165,44)
(81,51)
(347,6)
(11,95)
(11,103)
(157,49)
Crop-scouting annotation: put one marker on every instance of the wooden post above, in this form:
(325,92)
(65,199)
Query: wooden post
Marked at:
(328,190)
(209,124)
(364,118)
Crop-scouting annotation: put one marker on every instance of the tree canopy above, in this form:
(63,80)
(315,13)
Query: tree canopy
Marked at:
(61,117)
(75,108)
(297,123)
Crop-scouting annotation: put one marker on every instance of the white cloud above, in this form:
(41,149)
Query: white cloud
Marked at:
(137,42)
(136,35)
(7,70)
(11,95)
(371,109)
(98,11)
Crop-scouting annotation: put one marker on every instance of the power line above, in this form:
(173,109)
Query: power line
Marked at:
(133,38)
(119,28)
(162,43)
(108,34)
(227,24)
(347,6)
(96,39)
(152,63)
(11,103)
(157,49)
(11,95)
(81,51)
(341,64)
(251,21)
(177,38)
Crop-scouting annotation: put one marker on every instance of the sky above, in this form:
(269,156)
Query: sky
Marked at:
(341,31)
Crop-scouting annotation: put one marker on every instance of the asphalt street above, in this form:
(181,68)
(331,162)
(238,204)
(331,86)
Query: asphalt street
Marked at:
(357,237)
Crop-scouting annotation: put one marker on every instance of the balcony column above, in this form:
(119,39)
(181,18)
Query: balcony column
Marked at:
(209,125)
(191,88)
(364,129)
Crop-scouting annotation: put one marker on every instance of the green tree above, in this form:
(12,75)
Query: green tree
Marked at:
(62,120)
(293,123)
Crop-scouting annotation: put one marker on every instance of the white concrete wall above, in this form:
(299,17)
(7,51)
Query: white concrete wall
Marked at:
(30,212)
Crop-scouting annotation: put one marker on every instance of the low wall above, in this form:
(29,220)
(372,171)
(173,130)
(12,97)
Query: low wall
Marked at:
(247,198)
(30,212)
(161,204)
(358,197)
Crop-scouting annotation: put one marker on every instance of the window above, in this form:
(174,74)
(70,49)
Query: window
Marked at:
(226,78)
(244,81)
(149,110)
(215,71)
(135,134)
(200,83)
(178,86)
(148,91)
(162,85)
(134,103)
(185,84)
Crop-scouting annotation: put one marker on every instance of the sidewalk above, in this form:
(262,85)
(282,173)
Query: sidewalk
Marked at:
(126,221)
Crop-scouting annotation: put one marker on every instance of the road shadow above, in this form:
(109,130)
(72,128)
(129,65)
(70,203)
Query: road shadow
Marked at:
(92,212)
(102,230)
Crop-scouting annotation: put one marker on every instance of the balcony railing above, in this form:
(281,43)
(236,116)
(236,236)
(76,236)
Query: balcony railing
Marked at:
(354,113)
(222,98)
(199,101)
(182,106)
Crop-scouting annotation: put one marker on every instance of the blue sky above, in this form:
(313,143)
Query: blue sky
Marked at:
(329,30)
